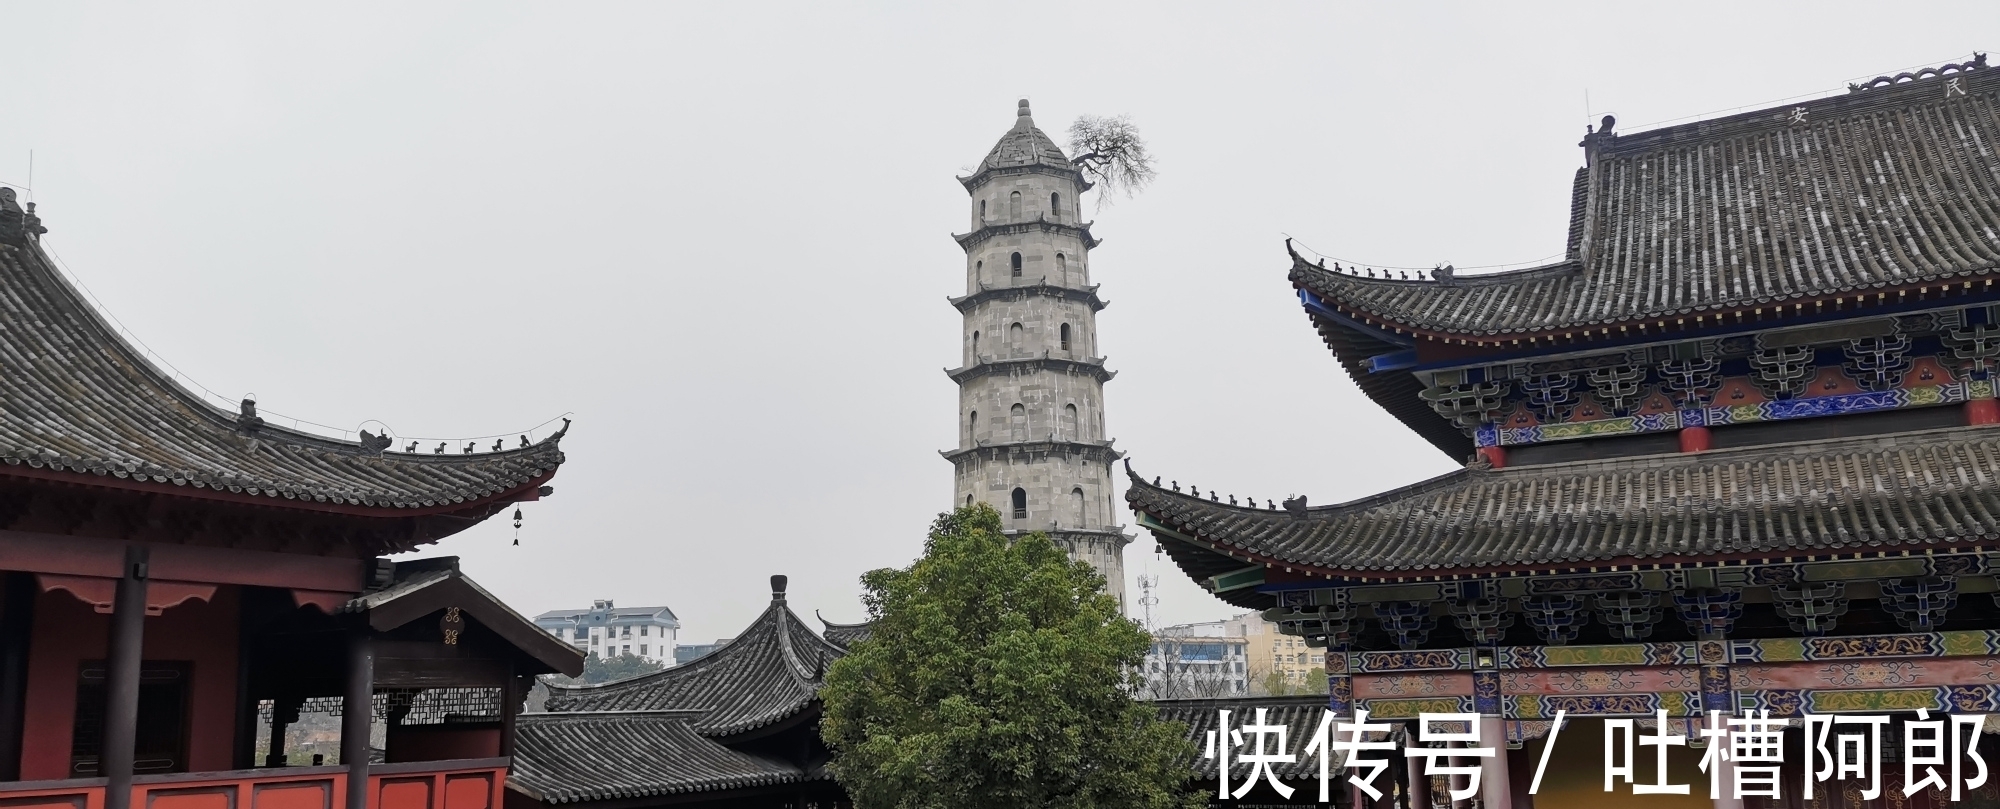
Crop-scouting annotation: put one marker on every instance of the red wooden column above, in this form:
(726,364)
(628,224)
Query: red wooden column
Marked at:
(1981,412)
(1694,439)
(17,619)
(1496,789)
(1497,456)
(1420,783)
(357,710)
(121,681)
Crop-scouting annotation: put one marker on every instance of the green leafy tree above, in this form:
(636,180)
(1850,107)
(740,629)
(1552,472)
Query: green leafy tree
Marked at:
(998,674)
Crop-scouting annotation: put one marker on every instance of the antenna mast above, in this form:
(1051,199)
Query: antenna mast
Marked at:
(1147,582)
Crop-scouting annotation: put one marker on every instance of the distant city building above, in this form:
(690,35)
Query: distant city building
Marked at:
(606,630)
(1277,663)
(688,653)
(1198,660)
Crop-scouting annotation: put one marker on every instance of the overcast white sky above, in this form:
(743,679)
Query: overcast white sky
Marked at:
(719,232)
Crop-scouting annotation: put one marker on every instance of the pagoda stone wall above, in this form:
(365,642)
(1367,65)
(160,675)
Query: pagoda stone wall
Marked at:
(1044,398)
(1041,318)
(1062,468)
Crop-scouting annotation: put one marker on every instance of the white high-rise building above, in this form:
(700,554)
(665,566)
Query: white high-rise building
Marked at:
(607,630)
(1031,438)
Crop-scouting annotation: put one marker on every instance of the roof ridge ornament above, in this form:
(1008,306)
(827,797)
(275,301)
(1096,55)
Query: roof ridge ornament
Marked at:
(1977,62)
(247,419)
(18,226)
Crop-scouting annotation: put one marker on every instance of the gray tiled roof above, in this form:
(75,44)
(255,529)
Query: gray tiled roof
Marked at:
(845,635)
(770,672)
(577,757)
(1908,491)
(1024,146)
(76,398)
(615,613)
(1876,189)
(1300,715)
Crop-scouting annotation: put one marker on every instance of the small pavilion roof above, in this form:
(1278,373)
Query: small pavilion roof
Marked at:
(1886,188)
(769,673)
(844,635)
(584,757)
(1910,491)
(78,403)
(1300,715)
(421,587)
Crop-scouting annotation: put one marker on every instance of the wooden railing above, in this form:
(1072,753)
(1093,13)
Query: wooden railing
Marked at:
(458,784)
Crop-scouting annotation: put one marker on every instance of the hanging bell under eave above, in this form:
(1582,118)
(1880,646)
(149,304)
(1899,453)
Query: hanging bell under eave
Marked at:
(517,525)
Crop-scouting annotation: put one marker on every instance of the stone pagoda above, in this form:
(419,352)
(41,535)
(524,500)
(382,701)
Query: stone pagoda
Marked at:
(1031,388)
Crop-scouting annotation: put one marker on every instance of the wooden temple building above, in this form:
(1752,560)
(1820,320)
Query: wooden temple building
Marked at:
(175,575)
(1739,449)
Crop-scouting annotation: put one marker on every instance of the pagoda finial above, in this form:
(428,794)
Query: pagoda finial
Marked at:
(1023,109)
(778,588)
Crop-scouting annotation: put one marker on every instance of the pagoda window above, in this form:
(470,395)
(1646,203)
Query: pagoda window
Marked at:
(982,210)
(975,347)
(1020,503)
(642,632)
(1062,267)
(972,427)
(1055,206)
(1014,207)
(1018,418)
(1016,265)
(1064,336)
(1016,336)
(1076,507)
(968,501)
(1069,422)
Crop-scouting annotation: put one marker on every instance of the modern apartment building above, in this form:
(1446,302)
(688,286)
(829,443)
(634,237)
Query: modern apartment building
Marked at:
(607,630)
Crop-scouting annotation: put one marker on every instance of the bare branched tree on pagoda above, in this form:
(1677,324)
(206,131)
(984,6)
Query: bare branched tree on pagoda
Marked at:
(998,673)
(1111,153)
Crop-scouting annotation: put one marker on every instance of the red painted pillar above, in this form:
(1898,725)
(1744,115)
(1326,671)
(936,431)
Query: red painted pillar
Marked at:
(1497,456)
(1694,439)
(1979,412)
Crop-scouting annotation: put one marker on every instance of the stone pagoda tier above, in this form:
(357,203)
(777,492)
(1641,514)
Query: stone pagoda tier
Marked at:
(1735,451)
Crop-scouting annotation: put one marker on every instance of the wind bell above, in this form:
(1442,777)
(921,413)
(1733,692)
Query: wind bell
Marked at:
(517,525)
